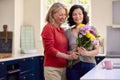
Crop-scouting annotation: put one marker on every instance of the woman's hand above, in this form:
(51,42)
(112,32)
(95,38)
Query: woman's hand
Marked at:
(73,55)
(82,51)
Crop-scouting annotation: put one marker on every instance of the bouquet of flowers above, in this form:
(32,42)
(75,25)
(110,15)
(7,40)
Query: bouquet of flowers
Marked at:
(87,38)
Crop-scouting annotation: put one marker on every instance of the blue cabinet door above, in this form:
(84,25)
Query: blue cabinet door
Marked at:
(30,68)
(38,71)
(3,71)
(41,68)
(25,65)
(29,76)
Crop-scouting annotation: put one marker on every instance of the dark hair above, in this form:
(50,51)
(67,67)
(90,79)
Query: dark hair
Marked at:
(70,19)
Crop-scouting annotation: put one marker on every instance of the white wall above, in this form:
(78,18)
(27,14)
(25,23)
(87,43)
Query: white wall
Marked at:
(101,16)
(6,14)
(32,17)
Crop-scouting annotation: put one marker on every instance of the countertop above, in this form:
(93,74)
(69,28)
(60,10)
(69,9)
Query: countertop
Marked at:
(20,56)
(27,55)
(99,73)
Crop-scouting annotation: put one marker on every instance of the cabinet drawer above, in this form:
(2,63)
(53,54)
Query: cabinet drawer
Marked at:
(2,78)
(29,76)
(26,64)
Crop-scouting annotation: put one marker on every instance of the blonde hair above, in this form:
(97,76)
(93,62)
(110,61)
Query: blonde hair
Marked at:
(54,8)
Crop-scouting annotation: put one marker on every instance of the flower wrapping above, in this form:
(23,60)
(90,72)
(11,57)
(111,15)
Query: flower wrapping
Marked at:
(87,38)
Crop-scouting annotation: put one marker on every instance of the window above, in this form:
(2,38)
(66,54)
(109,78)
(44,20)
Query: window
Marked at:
(69,3)
(46,4)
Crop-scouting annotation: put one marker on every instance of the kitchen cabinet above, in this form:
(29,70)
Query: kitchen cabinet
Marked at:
(27,71)
(2,71)
(116,12)
(30,68)
(41,68)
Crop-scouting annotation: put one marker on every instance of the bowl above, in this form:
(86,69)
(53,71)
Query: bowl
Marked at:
(29,51)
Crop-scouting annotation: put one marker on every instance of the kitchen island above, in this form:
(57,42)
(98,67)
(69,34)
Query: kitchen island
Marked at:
(99,73)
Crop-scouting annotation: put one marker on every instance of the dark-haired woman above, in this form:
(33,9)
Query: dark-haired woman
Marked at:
(78,15)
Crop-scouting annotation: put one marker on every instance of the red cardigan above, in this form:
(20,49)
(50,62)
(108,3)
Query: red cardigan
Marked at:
(54,40)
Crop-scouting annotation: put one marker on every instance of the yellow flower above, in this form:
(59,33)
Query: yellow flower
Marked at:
(90,36)
(80,25)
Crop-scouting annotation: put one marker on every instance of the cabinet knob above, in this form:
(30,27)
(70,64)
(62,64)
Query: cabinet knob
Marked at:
(32,58)
(32,74)
(98,58)
(24,77)
(24,59)
(41,58)
(2,63)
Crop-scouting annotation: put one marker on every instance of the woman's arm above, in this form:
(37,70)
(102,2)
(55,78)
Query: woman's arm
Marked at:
(85,52)
(70,56)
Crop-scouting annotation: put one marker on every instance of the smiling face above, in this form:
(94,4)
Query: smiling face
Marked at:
(60,16)
(77,16)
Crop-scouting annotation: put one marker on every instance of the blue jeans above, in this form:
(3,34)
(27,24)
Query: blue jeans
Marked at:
(78,70)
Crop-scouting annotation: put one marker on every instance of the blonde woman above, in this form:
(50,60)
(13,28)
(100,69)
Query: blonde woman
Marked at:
(55,44)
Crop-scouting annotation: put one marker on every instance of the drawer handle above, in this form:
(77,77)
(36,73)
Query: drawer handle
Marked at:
(13,71)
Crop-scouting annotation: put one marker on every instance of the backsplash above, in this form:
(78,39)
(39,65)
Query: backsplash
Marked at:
(27,37)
